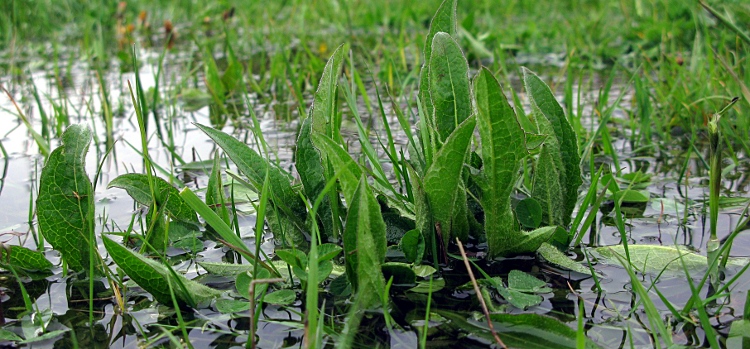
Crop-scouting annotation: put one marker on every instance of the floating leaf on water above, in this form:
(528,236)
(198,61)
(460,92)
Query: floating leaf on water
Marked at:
(280,297)
(654,259)
(526,331)
(631,196)
(518,299)
(553,256)
(226,269)
(230,306)
(156,278)
(424,270)
(424,286)
(525,282)
(65,205)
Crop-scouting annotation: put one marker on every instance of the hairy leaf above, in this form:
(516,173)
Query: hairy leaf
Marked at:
(309,165)
(446,195)
(548,187)
(344,166)
(365,245)
(570,175)
(502,150)
(449,85)
(323,110)
(444,20)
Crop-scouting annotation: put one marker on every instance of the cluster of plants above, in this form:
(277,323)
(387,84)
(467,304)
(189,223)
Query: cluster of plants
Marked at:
(362,227)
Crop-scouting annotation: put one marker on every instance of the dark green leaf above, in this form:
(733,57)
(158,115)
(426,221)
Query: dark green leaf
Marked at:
(65,206)
(347,170)
(529,213)
(309,165)
(168,196)
(444,20)
(401,273)
(156,278)
(23,260)
(226,269)
(412,244)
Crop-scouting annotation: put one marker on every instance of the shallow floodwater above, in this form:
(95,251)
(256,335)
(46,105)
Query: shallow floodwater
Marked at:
(609,314)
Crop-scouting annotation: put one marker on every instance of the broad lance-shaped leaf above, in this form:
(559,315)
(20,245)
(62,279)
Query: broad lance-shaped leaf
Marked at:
(655,259)
(346,168)
(446,195)
(156,278)
(527,331)
(65,206)
(444,20)
(502,150)
(24,260)
(548,171)
(254,167)
(311,172)
(323,110)
(365,245)
(544,100)
(449,85)
(136,184)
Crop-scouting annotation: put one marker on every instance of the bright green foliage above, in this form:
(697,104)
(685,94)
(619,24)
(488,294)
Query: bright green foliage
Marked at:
(523,289)
(544,100)
(502,150)
(449,85)
(365,245)
(444,21)
(323,110)
(24,260)
(655,259)
(65,204)
(167,196)
(346,169)
(226,269)
(548,184)
(156,278)
(553,256)
(444,188)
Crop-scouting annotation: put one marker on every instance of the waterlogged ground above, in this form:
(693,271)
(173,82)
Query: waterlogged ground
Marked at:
(675,215)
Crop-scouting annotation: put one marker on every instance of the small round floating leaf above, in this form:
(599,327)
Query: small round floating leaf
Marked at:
(281,297)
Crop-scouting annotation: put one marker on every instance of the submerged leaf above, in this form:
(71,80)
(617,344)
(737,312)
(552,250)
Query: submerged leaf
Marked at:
(156,278)
(65,206)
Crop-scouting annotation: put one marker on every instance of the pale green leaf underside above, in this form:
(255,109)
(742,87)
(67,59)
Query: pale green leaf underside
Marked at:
(136,184)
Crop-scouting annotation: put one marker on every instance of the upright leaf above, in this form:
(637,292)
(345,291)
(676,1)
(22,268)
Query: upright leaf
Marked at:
(65,206)
(311,172)
(323,110)
(346,168)
(548,188)
(446,195)
(502,150)
(444,21)
(254,166)
(449,85)
(365,245)
(137,186)
(544,100)
(156,278)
